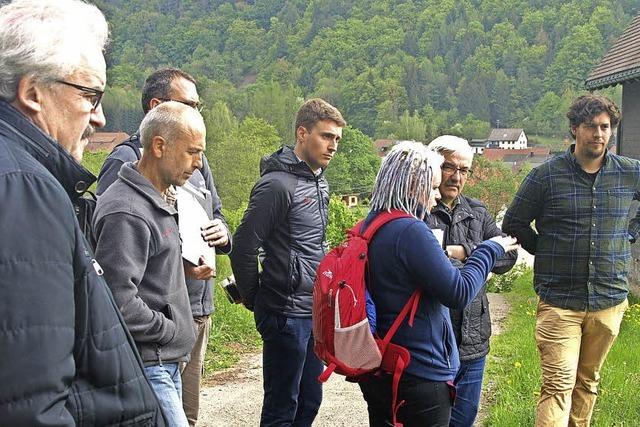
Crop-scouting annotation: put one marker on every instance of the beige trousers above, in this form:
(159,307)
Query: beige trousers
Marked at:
(192,371)
(573,346)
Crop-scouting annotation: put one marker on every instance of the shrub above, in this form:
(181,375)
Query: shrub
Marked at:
(504,282)
(341,219)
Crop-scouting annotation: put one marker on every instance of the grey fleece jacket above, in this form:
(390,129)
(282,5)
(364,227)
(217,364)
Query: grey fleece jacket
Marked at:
(138,247)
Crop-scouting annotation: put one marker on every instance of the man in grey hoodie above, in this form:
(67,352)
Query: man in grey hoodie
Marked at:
(138,246)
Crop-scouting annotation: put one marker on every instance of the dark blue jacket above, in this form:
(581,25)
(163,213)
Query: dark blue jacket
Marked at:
(200,291)
(66,357)
(287,218)
(404,256)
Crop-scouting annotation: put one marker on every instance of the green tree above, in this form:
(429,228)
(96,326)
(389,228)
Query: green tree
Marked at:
(410,127)
(122,109)
(235,159)
(277,104)
(341,219)
(354,167)
(579,52)
(493,183)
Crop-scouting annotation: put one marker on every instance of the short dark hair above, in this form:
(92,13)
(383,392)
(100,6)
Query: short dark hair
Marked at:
(586,107)
(158,85)
(316,110)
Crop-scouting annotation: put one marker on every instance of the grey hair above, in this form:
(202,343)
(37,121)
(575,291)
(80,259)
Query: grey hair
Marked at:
(449,144)
(168,120)
(46,39)
(405,178)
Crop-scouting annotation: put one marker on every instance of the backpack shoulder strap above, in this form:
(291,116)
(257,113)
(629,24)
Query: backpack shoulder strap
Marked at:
(381,219)
(410,308)
(134,143)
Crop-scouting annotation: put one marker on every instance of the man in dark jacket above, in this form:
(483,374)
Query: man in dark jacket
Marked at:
(66,357)
(287,218)
(138,245)
(176,85)
(464,223)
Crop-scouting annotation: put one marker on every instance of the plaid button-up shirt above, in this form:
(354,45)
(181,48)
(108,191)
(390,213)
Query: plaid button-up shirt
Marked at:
(582,234)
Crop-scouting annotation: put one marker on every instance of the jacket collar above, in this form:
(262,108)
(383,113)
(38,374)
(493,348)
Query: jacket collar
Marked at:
(73,177)
(285,159)
(138,183)
(461,210)
(571,157)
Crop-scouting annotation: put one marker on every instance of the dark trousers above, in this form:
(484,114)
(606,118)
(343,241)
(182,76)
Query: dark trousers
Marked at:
(469,387)
(292,393)
(427,403)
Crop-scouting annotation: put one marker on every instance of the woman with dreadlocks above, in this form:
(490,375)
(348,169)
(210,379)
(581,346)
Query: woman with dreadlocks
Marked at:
(404,256)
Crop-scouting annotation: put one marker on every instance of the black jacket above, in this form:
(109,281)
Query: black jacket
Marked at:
(470,224)
(287,218)
(200,291)
(66,357)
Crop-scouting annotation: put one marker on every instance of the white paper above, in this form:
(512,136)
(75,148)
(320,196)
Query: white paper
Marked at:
(439,234)
(191,217)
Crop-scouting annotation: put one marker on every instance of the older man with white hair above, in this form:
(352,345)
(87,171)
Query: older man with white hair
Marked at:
(66,357)
(464,223)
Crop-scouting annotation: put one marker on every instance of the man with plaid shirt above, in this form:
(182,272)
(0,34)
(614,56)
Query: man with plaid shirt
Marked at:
(580,203)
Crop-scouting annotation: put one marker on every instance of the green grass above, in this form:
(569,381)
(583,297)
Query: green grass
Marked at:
(233,330)
(513,369)
(93,162)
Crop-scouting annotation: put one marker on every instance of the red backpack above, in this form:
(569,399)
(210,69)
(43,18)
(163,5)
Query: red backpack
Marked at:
(342,336)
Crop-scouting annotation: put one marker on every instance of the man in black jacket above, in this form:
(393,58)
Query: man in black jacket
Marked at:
(176,85)
(287,218)
(66,357)
(464,223)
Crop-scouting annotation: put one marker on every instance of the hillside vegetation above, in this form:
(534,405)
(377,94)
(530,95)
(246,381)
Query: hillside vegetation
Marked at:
(406,69)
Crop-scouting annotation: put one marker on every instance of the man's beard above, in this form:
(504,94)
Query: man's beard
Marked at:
(88,132)
(594,152)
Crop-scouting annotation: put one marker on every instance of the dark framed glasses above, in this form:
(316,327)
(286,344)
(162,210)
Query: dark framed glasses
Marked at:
(95,94)
(450,169)
(196,105)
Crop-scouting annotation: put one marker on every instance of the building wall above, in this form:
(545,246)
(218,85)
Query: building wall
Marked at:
(629,145)
(514,145)
(522,141)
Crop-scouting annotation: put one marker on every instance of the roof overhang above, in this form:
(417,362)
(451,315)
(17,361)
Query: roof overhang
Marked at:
(613,79)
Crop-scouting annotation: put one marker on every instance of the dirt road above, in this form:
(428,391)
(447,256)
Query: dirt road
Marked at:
(234,397)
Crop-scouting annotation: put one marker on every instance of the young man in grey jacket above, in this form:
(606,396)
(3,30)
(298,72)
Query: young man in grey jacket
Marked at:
(138,245)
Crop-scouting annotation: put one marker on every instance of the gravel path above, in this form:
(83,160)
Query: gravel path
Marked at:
(499,309)
(234,397)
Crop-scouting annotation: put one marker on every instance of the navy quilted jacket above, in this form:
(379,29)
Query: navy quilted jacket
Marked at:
(287,219)
(66,357)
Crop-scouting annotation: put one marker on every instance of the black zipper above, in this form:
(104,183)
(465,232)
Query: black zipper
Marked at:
(320,209)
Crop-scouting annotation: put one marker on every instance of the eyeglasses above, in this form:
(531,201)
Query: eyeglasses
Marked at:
(95,94)
(196,105)
(451,169)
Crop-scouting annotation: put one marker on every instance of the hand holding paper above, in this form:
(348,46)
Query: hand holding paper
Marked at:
(215,233)
(199,272)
